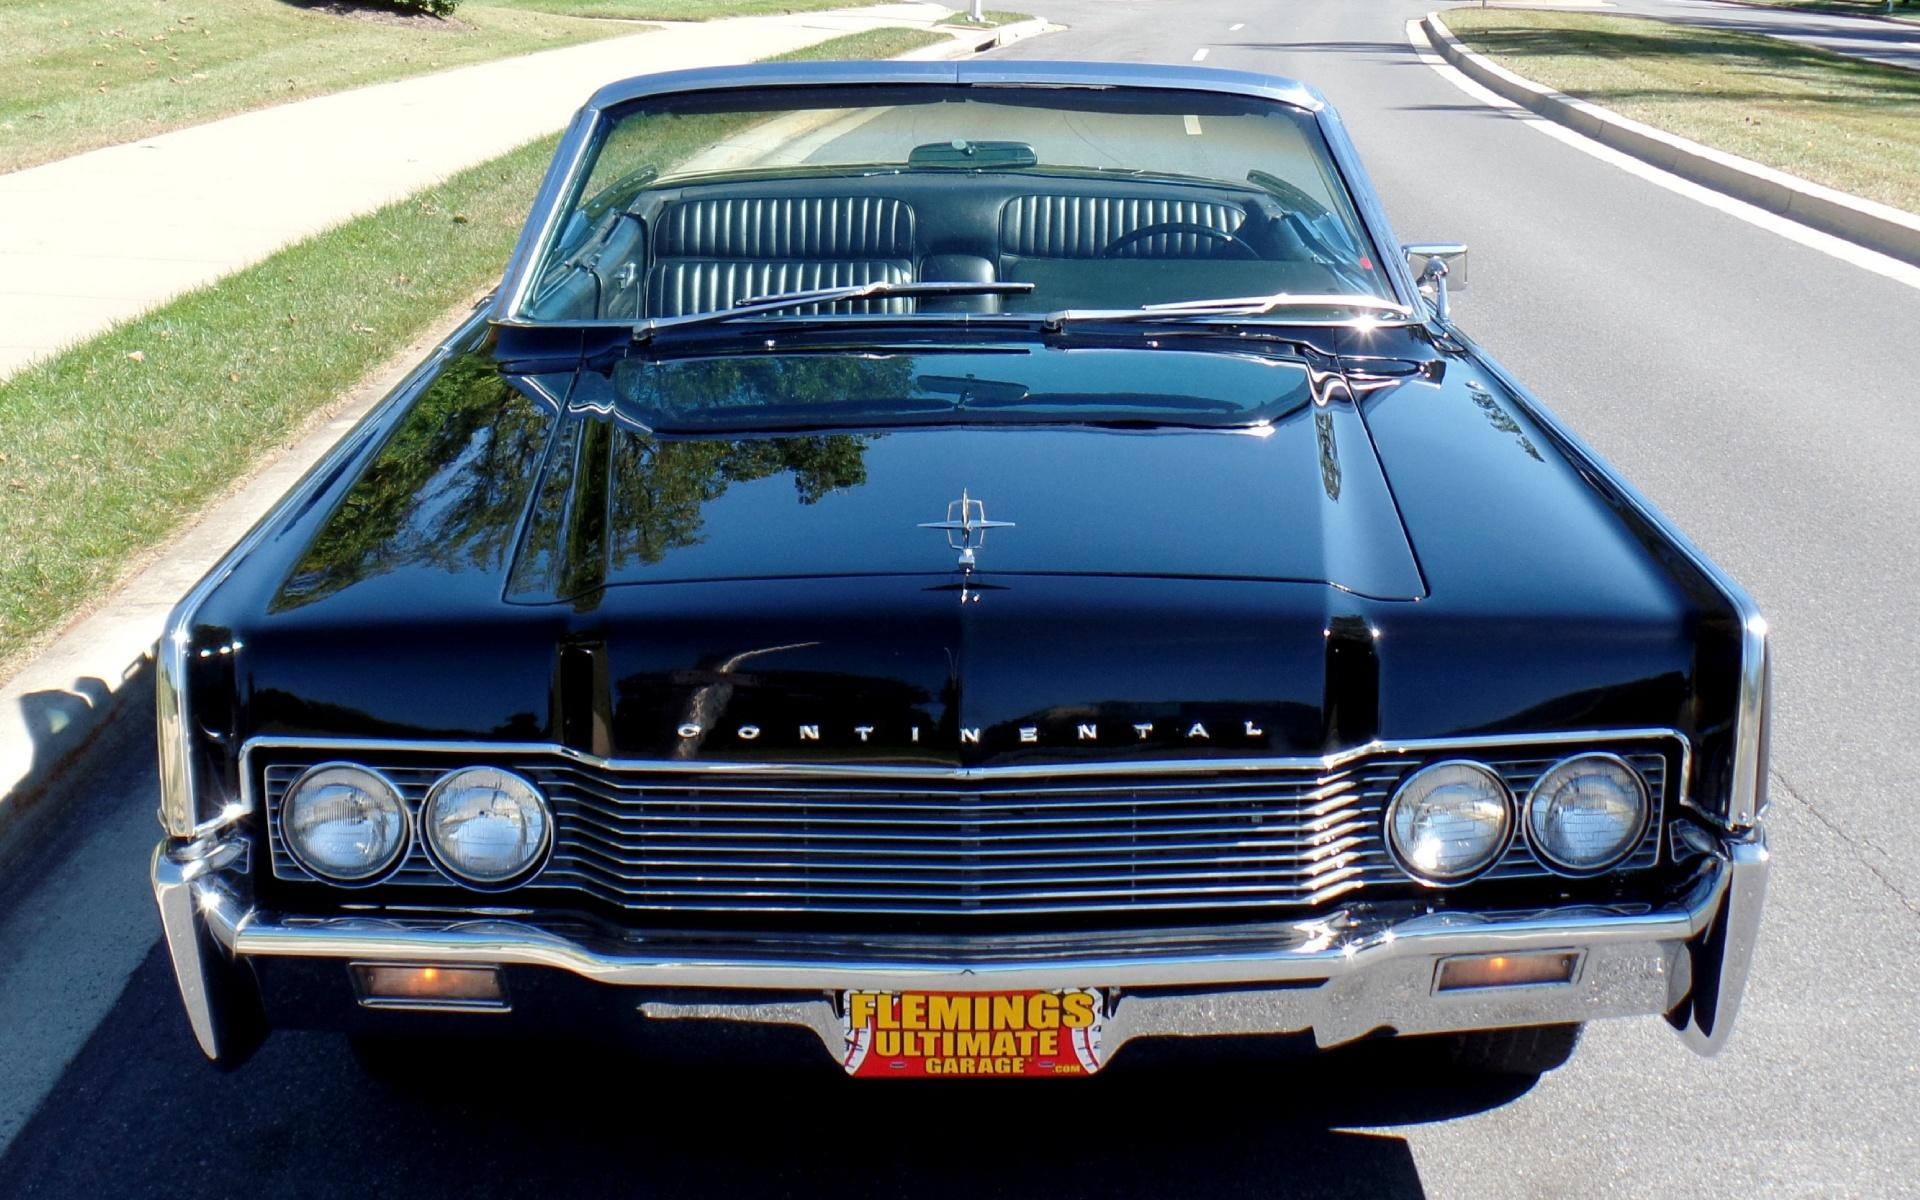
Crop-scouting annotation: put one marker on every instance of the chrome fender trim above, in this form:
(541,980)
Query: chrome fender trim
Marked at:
(1723,957)
(218,991)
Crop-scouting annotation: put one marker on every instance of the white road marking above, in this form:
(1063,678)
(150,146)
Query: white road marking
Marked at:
(1236,28)
(1193,125)
(1200,54)
(1834,247)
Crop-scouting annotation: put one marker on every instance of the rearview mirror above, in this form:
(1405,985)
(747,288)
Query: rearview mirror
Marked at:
(1437,268)
(973,156)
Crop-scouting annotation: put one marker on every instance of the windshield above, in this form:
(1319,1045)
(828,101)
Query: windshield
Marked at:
(1088,198)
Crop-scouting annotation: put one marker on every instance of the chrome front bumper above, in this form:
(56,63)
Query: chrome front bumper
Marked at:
(1339,977)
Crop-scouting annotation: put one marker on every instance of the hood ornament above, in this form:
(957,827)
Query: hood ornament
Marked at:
(966,526)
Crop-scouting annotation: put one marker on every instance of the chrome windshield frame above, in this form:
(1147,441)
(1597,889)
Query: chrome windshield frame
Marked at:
(570,161)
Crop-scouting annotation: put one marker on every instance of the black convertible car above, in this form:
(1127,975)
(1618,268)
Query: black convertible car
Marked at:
(981,563)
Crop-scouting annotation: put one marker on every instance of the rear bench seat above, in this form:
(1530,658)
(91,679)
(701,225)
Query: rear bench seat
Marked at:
(711,253)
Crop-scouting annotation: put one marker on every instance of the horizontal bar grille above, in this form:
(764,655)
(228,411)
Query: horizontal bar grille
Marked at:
(663,843)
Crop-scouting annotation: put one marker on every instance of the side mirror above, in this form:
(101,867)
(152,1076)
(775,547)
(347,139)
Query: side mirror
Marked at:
(1437,266)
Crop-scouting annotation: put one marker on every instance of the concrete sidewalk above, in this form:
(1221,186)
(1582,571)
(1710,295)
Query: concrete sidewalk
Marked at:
(106,235)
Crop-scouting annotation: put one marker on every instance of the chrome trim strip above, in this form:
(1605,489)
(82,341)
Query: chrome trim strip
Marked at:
(1372,211)
(1316,950)
(975,72)
(179,801)
(557,184)
(1748,801)
(1326,762)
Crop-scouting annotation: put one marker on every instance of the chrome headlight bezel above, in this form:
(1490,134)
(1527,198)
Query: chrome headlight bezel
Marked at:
(1497,849)
(1536,794)
(446,864)
(373,875)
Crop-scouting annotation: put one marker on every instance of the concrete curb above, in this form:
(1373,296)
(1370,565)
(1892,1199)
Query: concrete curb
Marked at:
(54,707)
(978,41)
(1867,223)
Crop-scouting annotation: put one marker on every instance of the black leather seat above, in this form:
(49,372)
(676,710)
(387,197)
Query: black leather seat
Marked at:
(1065,245)
(1080,227)
(711,253)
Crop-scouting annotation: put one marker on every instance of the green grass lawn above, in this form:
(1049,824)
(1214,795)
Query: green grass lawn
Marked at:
(109,447)
(677,10)
(1903,11)
(994,18)
(1848,124)
(79,74)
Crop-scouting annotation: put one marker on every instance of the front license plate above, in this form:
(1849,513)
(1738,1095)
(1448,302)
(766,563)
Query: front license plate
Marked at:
(913,1035)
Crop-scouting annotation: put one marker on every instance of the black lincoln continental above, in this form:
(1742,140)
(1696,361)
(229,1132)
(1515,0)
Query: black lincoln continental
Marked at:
(982,563)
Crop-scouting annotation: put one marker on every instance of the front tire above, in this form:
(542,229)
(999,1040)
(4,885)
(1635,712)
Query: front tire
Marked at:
(1533,1050)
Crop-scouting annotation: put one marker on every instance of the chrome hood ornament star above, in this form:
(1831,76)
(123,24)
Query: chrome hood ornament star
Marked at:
(966,526)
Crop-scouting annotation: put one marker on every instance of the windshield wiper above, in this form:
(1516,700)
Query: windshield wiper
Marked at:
(754,306)
(1227,306)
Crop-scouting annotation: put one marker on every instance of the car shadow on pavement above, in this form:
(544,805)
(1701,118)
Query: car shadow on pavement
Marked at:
(139,1113)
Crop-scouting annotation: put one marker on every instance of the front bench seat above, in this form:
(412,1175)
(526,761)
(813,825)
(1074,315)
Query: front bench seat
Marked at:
(1055,242)
(710,253)
(1080,227)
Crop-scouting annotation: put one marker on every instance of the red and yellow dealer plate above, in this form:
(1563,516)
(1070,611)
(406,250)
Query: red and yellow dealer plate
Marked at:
(943,1035)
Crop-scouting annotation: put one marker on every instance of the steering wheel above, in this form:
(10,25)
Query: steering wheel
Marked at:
(1162,228)
(1288,194)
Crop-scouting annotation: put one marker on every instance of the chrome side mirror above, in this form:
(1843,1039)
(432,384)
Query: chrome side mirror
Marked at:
(1437,266)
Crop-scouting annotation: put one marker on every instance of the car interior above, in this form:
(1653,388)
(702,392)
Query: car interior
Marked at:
(1083,242)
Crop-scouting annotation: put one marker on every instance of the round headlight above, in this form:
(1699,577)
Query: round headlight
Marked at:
(344,823)
(1449,821)
(485,825)
(1587,813)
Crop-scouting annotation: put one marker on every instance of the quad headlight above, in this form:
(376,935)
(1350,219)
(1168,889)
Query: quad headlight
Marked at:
(1587,812)
(344,823)
(1449,821)
(486,826)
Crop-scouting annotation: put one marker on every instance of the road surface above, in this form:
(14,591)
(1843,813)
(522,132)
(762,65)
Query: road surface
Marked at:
(1759,390)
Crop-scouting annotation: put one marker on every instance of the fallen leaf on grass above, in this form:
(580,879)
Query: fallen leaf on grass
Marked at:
(136,356)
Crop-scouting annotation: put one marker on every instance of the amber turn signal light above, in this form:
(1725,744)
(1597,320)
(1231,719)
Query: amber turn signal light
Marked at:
(392,985)
(1505,970)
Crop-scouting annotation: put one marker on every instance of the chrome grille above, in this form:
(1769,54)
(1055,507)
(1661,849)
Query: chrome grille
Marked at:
(666,842)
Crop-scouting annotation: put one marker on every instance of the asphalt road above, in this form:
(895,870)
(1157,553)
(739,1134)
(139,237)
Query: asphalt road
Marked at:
(1757,389)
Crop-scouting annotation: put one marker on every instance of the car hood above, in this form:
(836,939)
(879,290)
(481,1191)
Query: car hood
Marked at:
(1266,483)
(516,556)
